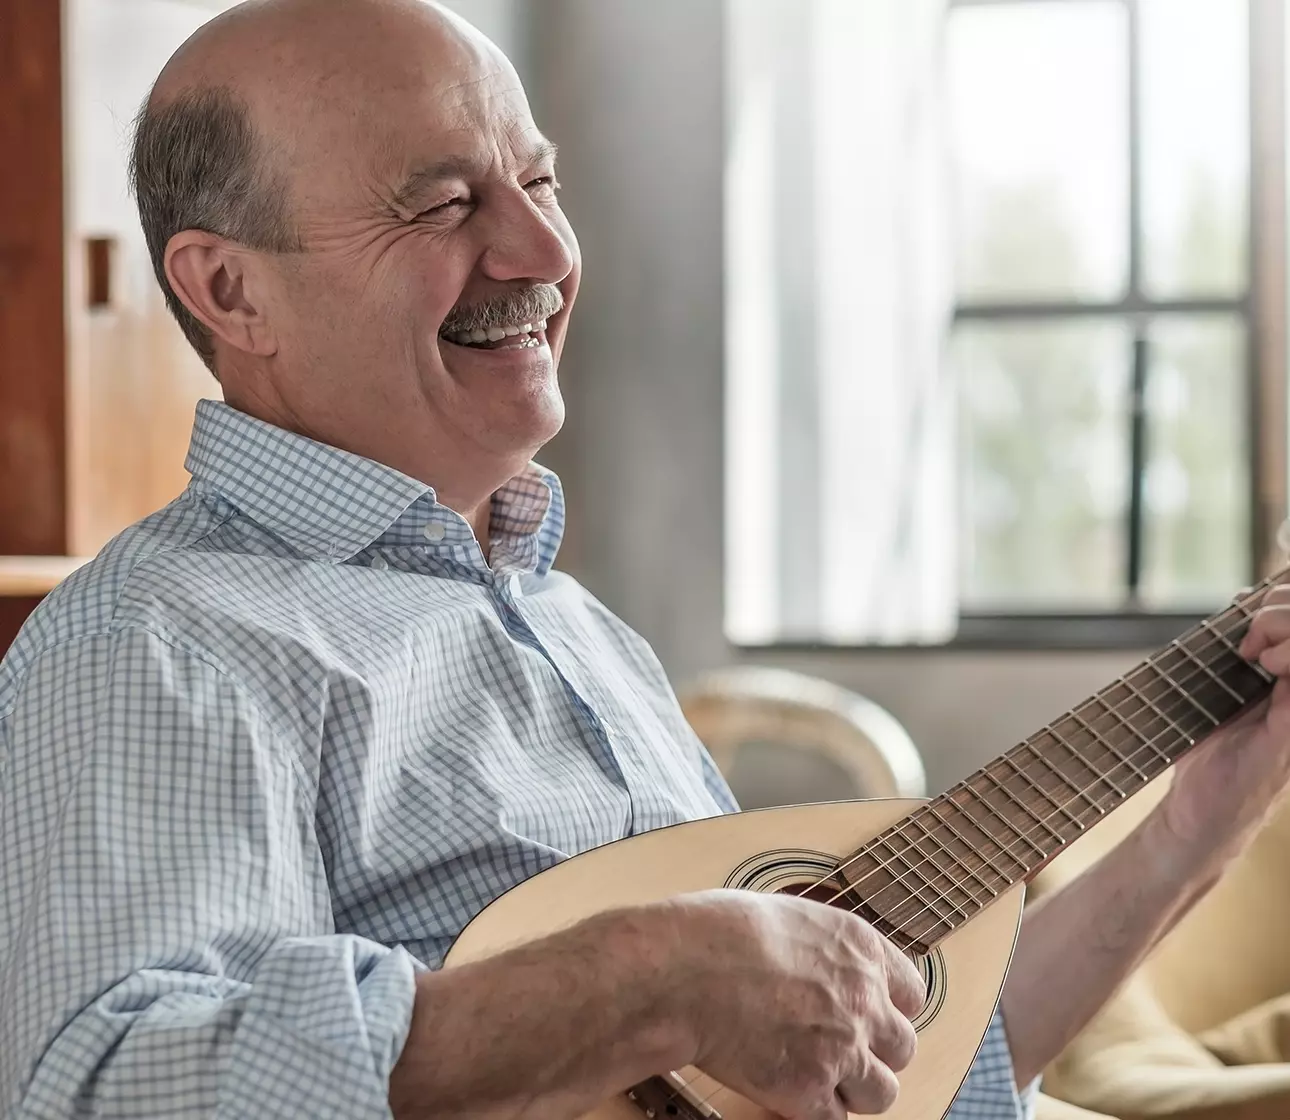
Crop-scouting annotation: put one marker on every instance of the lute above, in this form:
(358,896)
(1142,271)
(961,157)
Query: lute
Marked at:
(943,879)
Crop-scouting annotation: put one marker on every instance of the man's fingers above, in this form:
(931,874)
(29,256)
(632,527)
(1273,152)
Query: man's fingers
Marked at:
(893,1040)
(874,1090)
(1270,627)
(1276,659)
(904,982)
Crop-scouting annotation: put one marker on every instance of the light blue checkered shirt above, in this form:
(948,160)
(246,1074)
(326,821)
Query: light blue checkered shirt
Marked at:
(263,759)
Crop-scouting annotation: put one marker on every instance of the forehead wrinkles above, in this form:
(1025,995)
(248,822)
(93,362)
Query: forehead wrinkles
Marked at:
(487,114)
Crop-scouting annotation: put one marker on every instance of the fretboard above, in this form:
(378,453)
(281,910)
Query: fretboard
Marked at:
(940,866)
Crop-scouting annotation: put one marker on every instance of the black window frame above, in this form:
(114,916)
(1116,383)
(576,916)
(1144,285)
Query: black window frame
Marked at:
(1134,626)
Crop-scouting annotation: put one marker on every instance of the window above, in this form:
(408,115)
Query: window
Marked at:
(990,288)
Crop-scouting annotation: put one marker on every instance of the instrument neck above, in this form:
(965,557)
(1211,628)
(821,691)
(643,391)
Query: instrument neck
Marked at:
(921,879)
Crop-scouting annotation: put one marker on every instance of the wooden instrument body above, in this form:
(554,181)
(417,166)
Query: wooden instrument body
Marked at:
(768,849)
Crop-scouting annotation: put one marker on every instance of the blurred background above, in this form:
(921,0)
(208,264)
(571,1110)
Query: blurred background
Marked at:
(935,348)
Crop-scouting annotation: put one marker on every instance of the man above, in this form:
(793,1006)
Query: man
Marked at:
(263,759)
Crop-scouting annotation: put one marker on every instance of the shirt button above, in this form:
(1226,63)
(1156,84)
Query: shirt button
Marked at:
(434,531)
(380,563)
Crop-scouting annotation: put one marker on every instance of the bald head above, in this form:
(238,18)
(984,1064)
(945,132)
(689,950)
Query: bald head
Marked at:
(289,59)
(272,86)
(356,220)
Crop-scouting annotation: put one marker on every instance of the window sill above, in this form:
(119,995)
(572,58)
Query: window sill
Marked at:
(1054,633)
(23,576)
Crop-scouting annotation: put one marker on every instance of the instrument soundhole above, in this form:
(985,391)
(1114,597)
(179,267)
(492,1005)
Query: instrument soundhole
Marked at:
(813,875)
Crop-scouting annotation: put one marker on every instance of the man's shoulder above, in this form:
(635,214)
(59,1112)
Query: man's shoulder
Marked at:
(112,591)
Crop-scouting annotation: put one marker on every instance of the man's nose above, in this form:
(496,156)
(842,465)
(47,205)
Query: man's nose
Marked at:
(524,244)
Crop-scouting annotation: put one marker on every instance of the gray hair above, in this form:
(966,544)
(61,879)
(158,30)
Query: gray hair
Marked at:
(196,164)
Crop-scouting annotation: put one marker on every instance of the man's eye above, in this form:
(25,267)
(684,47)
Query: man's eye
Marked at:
(445,207)
(544,182)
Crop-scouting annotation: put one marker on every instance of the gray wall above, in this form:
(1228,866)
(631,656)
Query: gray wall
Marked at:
(632,92)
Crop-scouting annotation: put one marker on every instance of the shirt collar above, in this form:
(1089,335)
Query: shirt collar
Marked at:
(329,504)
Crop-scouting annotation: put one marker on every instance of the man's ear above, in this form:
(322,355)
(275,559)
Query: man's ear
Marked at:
(218,283)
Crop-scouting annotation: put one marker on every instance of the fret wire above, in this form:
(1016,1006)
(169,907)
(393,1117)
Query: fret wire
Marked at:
(1207,624)
(903,929)
(936,891)
(1147,701)
(1187,694)
(1113,710)
(1023,836)
(913,819)
(1043,821)
(1062,806)
(931,808)
(1207,669)
(1122,760)
(905,892)
(1082,792)
(938,920)
(983,799)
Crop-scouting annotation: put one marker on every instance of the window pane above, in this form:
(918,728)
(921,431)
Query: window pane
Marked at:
(1197,484)
(1044,452)
(1038,97)
(1195,146)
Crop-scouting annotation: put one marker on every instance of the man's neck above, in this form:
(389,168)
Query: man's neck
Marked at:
(478,514)
(472,497)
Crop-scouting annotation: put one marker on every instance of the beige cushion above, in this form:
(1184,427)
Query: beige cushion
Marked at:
(1202,1030)
(1049,1108)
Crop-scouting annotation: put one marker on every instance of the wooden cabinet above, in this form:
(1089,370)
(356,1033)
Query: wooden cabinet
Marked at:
(97,385)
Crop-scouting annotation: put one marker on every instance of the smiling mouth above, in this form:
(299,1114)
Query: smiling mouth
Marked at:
(521,336)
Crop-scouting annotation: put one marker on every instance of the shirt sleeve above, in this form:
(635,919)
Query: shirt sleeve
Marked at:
(989,1091)
(167,947)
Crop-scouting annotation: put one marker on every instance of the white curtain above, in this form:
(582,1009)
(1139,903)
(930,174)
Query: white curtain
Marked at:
(841,523)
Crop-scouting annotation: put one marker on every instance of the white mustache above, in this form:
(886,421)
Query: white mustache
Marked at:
(530,305)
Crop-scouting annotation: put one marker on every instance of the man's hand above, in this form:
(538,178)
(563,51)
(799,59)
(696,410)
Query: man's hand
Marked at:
(1224,788)
(800,1007)
(803,1008)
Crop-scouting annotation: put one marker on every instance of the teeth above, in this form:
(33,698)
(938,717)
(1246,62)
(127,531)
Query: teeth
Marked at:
(496,334)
